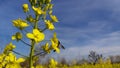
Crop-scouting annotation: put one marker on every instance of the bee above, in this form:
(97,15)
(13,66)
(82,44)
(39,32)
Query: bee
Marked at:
(59,46)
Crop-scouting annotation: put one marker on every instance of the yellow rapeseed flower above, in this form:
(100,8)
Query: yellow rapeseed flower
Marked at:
(17,36)
(12,65)
(54,18)
(46,48)
(46,7)
(50,6)
(19,60)
(37,10)
(25,8)
(19,23)
(13,61)
(54,42)
(48,1)
(55,46)
(53,63)
(9,47)
(49,25)
(30,19)
(39,66)
(11,57)
(36,35)
(1,57)
(54,38)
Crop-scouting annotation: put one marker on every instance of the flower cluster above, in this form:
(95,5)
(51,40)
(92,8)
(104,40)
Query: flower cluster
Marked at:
(53,63)
(9,47)
(8,59)
(54,45)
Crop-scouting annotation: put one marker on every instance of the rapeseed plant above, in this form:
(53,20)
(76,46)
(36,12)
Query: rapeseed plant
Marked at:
(41,9)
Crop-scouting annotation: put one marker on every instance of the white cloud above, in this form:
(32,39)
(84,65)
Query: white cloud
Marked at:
(107,45)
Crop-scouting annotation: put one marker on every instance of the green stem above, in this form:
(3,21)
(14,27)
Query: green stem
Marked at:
(41,53)
(36,22)
(25,42)
(33,41)
(19,53)
(31,53)
(44,29)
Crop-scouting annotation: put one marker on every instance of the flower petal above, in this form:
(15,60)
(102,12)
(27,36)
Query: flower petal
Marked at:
(19,60)
(13,37)
(57,50)
(30,35)
(36,31)
(49,25)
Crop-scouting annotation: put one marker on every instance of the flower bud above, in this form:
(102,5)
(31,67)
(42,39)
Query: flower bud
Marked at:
(48,1)
(25,8)
(54,18)
(51,6)
(17,36)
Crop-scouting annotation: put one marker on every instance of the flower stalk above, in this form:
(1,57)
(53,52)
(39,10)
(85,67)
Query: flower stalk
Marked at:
(31,54)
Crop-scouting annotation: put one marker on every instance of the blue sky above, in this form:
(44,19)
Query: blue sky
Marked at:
(84,25)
